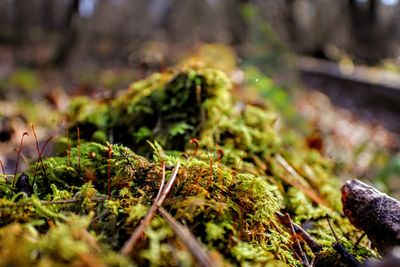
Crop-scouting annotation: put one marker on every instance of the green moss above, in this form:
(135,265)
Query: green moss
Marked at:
(64,244)
(244,166)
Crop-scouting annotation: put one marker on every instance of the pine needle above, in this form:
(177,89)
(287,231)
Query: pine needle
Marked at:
(197,249)
(162,194)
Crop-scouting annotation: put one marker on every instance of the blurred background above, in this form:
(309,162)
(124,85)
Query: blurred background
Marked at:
(112,31)
(334,63)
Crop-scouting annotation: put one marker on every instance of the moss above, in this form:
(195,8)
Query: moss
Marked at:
(330,257)
(65,244)
(170,108)
(243,167)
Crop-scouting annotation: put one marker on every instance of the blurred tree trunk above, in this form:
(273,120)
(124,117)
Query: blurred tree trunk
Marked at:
(70,35)
(373,6)
(369,39)
(48,15)
(238,26)
(21,19)
(290,22)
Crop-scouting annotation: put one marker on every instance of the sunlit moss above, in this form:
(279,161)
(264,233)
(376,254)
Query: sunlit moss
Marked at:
(242,168)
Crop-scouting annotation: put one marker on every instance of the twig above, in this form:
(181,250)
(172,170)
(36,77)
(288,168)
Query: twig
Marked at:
(189,239)
(301,252)
(359,239)
(169,185)
(296,181)
(2,168)
(330,226)
(315,247)
(90,240)
(162,181)
(347,257)
(163,192)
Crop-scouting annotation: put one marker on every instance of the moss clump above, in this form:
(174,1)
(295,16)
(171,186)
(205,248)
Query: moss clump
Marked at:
(64,244)
(169,108)
(239,171)
(232,213)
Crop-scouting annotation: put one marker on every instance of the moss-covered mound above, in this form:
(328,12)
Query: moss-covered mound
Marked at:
(238,170)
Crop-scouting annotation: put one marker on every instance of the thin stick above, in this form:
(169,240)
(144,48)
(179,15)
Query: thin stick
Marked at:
(16,165)
(347,257)
(296,182)
(302,254)
(162,181)
(2,168)
(315,247)
(197,249)
(163,192)
(168,185)
(330,226)
(359,239)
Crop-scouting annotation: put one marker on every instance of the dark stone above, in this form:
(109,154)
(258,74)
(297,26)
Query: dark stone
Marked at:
(377,214)
(23,185)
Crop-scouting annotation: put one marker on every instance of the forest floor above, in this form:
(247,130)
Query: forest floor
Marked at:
(276,151)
